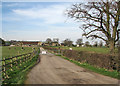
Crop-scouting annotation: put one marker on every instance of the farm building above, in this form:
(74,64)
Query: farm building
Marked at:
(55,44)
(62,44)
(45,44)
(51,44)
(27,43)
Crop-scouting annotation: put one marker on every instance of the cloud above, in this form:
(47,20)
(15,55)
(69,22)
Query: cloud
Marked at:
(51,15)
(39,22)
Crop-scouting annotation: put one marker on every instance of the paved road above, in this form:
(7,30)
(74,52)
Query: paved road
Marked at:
(56,70)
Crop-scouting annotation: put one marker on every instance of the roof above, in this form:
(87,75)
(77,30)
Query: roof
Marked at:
(54,42)
(27,42)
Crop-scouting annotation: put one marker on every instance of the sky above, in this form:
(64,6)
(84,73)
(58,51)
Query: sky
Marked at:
(38,21)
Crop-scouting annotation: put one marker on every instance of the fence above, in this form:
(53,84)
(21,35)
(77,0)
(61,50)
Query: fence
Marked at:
(9,65)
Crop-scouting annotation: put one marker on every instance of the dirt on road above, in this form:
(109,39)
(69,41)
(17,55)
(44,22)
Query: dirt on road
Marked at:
(56,70)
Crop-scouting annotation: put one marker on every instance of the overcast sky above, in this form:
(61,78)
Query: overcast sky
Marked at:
(38,21)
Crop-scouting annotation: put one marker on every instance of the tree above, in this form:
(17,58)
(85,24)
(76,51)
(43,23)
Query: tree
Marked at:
(2,42)
(100,20)
(7,43)
(96,44)
(56,40)
(79,42)
(101,44)
(49,41)
(87,43)
(68,42)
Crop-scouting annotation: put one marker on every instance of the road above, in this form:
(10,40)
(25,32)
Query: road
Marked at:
(56,70)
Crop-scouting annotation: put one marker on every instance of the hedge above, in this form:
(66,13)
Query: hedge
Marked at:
(106,61)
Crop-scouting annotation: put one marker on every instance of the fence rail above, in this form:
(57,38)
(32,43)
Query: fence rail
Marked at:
(8,64)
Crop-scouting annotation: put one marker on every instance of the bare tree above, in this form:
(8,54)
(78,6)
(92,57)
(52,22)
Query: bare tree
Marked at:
(79,41)
(101,44)
(100,20)
(87,43)
(49,41)
(2,42)
(68,42)
(56,40)
(96,44)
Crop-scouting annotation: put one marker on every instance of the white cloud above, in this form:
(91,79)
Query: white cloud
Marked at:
(51,15)
(43,18)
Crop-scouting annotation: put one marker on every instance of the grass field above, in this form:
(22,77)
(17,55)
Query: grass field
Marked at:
(91,49)
(14,51)
(18,73)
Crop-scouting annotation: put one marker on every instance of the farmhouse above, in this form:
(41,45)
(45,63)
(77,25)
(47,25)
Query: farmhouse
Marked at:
(27,43)
(55,44)
(45,44)
(62,44)
(40,43)
(50,44)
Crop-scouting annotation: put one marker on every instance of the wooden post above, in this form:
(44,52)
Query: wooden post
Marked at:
(20,61)
(11,64)
(26,58)
(4,69)
(16,62)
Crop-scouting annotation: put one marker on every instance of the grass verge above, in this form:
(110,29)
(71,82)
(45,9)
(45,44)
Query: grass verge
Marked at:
(113,74)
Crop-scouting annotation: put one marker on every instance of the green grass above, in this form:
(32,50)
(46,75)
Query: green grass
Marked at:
(113,74)
(90,49)
(18,75)
(14,51)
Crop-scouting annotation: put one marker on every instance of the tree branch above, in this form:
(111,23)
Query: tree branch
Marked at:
(95,36)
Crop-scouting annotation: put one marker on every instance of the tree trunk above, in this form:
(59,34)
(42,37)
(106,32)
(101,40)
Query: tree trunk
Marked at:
(112,46)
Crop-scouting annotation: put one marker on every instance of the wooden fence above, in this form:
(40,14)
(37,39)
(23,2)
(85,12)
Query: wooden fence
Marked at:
(8,64)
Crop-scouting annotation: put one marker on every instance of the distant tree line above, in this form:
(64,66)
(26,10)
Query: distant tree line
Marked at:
(2,42)
(79,43)
(5,43)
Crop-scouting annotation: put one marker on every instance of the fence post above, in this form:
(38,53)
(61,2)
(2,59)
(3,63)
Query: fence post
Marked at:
(11,64)
(4,69)
(20,61)
(23,59)
(26,57)
(16,62)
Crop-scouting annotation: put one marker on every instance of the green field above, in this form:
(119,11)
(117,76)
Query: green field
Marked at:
(17,73)
(14,51)
(90,49)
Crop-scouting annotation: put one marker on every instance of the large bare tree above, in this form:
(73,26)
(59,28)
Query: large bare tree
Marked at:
(100,20)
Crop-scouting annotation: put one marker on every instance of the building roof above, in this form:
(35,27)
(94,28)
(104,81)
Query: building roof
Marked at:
(29,42)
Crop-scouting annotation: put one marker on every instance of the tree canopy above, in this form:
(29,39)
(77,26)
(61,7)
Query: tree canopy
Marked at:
(100,20)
